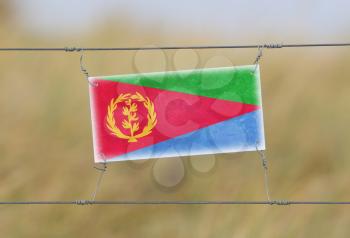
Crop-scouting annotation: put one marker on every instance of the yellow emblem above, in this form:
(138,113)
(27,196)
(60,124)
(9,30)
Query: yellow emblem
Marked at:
(131,122)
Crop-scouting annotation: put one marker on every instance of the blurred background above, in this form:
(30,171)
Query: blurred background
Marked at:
(45,131)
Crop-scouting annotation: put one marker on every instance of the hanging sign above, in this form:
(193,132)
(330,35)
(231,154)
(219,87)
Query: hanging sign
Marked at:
(179,113)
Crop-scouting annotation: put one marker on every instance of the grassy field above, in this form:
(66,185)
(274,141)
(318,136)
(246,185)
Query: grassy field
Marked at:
(46,145)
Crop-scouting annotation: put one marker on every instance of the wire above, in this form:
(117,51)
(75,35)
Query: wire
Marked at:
(266,174)
(269,46)
(165,202)
(99,180)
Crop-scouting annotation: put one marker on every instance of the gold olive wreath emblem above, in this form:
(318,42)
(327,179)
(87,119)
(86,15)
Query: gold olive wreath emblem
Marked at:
(131,122)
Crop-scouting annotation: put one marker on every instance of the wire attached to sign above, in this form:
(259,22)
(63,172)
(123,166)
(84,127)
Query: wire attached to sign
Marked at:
(84,71)
(99,180)
(264,164)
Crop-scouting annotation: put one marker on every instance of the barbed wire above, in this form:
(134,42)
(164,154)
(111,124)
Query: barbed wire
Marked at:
(267,46)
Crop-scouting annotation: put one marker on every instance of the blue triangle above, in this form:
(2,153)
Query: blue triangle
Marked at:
(242,133)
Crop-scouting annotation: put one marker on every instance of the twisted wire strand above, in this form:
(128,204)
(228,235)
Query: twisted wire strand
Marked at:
(268,46)
(85,72)
(258,58)
(175,202)
(264,164)
(83,69)
(99,180)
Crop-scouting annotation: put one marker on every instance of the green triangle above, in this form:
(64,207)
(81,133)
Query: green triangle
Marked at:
(238,84)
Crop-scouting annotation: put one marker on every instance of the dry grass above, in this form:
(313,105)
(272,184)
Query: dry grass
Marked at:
(46,148)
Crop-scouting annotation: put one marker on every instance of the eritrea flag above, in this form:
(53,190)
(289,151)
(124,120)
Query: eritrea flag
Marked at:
(178,113)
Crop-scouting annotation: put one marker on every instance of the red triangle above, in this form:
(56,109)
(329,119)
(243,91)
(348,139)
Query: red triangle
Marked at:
(177,114)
